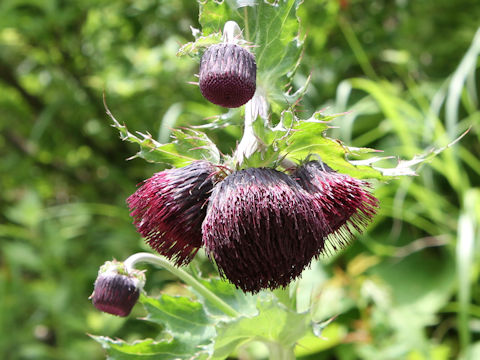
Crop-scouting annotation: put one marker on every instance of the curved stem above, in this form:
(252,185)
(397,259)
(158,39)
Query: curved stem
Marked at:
(184,276)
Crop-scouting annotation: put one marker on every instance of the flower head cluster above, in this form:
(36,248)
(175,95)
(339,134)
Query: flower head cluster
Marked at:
(261,226)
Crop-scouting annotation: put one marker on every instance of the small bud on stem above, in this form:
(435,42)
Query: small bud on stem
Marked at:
(117,289)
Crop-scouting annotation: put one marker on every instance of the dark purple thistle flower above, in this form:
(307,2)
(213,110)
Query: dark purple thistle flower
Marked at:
(116,291)
(168,209)
(262,229)
(346,201)
(227,75)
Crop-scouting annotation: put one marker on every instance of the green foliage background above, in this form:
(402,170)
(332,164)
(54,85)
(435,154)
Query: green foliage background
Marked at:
(404,70)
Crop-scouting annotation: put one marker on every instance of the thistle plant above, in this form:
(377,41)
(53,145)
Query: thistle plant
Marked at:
(284,197)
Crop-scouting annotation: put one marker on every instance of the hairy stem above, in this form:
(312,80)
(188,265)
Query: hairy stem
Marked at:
(184,276)
(245,19)
(250,143)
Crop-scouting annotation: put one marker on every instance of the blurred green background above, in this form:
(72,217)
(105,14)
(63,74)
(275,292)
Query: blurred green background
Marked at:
(405,71)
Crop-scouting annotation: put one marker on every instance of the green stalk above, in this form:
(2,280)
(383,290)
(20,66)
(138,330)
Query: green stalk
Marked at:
(184,276)
(245,19)
(279,352)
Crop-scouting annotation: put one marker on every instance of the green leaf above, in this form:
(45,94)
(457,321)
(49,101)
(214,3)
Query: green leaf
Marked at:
(244,303)
(274,323)
(194,48)
(188,145)
(189,332)
(149,349)
(274,29)
(183,318)
(310,344)
(309,138)
(297,140)
(196,143)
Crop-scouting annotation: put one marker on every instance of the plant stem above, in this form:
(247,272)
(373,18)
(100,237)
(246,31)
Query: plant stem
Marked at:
(245,20)
(279,352)
(184,276)
(250,143)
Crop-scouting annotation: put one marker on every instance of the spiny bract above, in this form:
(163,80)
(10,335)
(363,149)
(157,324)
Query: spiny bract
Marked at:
(262,229)
(168,209)
(227,75)
(346,201)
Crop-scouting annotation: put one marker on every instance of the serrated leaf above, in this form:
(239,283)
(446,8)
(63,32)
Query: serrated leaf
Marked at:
(188,145)
(183,318)
(243,303)
(308,138)
(273,323)
(195,47)
(274,29)
(405,167)
(189,332)
(265,158)
(149,349)
(297,140)
(196,142)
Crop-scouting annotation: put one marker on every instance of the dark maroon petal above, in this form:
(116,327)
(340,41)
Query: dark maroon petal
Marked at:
(168,209)
(227,75)
(346,201)
(115,294)
(262,229)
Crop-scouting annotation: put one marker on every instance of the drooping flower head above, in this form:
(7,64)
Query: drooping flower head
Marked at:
(168,209)
(227,75)
(346,201)
(116,290)
(262,229)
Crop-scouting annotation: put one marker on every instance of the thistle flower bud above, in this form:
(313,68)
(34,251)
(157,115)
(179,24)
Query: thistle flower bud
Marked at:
(262,229)
(168,209)
(227,75)
(116,290)
(346,201)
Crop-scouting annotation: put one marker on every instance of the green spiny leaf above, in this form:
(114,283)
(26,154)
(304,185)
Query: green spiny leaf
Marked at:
(273,323)
(188,145)
(194,48)
(197,143)
(183,318)
(149,349)
(241,302)
(297,140)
